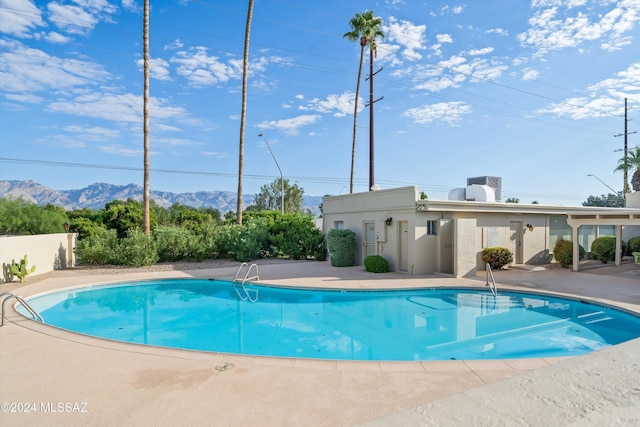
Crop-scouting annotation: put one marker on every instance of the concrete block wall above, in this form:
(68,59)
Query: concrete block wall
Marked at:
(47,252)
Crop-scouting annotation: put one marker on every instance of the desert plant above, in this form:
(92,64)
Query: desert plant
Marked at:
(604,249)
(497,257)
(342,247)
(563,252)
(20,270)
(376,264)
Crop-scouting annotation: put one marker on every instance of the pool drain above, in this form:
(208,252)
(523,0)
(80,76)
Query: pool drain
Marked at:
(224,366)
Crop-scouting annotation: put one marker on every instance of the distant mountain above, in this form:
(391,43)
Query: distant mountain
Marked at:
(98,194)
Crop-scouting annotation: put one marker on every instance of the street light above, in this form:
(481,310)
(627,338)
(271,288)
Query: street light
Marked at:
(614,191)
(281,177)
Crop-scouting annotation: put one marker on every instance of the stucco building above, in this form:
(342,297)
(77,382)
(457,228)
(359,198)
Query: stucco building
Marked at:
(447,236)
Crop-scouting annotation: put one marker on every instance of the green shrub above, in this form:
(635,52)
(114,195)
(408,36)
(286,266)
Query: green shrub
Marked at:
(634,244)
(497,257)
(248,241)
(209,243)
(295,236)
(376,264)
(99,249)
(604,249)
(173,243)
(342,247)
(563,252)
(137,249)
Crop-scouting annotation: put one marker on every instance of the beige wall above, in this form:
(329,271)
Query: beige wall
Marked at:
(47,252)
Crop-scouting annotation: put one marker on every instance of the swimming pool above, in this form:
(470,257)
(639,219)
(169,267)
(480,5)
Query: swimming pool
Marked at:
(415,324)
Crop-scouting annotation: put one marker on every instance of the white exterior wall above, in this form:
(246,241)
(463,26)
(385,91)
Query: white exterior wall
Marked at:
(353,210)
(47,252)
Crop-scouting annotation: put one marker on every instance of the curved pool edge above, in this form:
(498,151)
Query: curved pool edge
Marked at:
(346,387)
(397,282)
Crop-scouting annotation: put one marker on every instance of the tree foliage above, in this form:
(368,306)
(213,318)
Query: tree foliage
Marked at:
(605,201)
(270,199)
(18,216)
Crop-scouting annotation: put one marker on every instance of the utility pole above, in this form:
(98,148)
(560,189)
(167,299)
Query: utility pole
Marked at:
(625,187)
(370,105)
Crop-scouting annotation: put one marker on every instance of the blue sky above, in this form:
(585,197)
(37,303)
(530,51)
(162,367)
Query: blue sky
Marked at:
(530,91)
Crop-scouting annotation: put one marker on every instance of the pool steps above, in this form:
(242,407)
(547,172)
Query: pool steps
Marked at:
(6,296)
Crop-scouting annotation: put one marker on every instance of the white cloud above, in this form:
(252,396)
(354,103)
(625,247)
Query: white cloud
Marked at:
(444,38)
(119,150)
(24,69)
(452,72)
(56,38)
(19,17)
(290,126)
(81,17)
(93,133)
(549,31)
(483,51)
(176,44)
(530,74)
(447,112)
(158,68)
(201,70)
(606,98)
(410,37)
(338,104)
(498,31)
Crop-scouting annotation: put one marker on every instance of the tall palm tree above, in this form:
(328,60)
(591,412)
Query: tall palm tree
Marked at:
(364,28)
(243,114)
(146,221)
(631,161)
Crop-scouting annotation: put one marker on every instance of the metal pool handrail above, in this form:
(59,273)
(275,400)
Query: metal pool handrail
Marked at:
(492,285)
(6,296)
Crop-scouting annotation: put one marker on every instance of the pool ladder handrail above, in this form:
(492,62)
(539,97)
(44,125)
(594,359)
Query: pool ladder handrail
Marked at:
(492,285)
(6,296)
(247,295)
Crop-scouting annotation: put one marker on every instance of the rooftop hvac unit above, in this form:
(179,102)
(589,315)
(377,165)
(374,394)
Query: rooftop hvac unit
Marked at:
(494,182)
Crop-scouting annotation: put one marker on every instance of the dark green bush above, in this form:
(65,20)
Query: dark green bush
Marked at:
(604,249)
(634,244)
(376,264)
(497,257)
(342,247)
(295,236)
(563,252)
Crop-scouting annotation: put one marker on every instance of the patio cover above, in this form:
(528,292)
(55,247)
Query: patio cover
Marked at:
(618,217)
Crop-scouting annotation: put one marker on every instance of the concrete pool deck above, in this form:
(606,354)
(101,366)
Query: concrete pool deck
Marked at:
(68,379)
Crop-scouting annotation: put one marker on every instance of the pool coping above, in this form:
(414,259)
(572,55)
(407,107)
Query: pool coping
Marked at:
(344,381)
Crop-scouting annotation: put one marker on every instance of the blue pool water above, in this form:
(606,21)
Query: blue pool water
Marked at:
(416,324)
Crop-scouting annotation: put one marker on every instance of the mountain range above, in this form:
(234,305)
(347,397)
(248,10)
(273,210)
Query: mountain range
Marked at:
(98,194)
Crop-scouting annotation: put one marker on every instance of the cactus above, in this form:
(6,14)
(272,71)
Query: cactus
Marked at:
(20,270)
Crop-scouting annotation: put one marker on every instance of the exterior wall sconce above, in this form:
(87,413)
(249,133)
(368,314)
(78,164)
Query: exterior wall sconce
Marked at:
(66,226)
(530,227)
(388,221)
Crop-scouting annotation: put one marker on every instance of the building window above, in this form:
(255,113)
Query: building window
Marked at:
(431,227)
(338,225)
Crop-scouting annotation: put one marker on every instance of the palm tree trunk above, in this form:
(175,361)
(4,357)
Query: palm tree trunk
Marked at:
(243,115)
(146,221)
(355,120)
